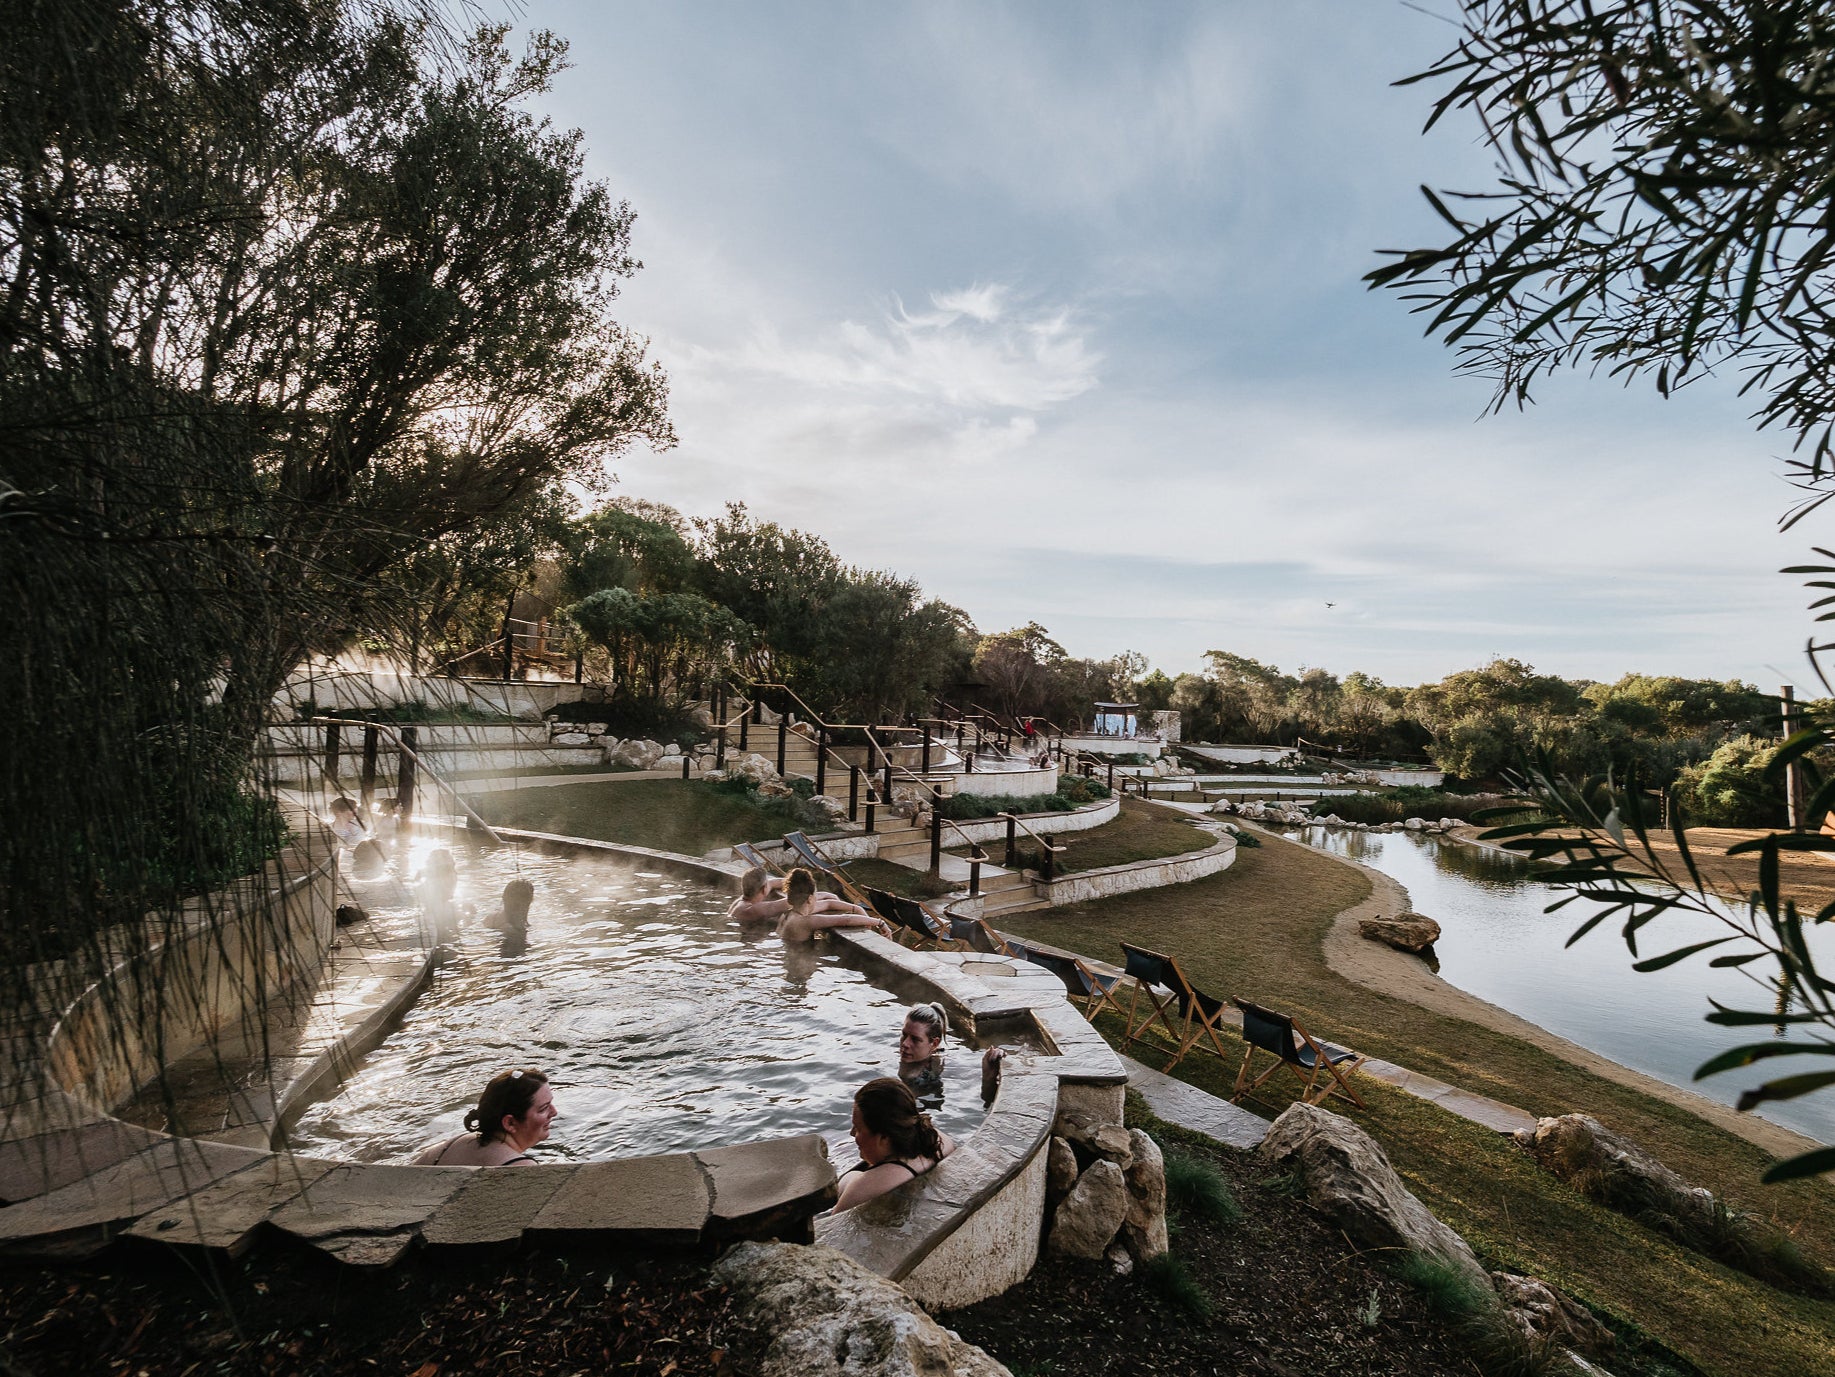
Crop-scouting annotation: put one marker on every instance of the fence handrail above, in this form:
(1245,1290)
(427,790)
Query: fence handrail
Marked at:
(1042,841)
(394,733)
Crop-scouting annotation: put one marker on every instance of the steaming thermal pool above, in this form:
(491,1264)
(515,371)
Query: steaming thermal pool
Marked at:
(661,1025)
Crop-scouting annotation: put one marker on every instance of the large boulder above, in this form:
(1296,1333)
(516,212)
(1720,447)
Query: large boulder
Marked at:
(635,754)
(1092,1214)
(755,768)
(832,809)
(1092,1138)
(1348,1179)
(1060,1169)
(1414,932)
(1144,1230)
(813,1312)
(1618,1173)
(1546,1316)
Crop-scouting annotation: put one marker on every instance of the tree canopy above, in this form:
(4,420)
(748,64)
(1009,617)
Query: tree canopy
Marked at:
(1663,201)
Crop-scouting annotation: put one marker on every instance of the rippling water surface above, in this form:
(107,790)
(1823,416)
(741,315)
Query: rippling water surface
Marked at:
(1500,945)
(662,1025)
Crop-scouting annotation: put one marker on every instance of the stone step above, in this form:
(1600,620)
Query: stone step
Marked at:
(1012,901)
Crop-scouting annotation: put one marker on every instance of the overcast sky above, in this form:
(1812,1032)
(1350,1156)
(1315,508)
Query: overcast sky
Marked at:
(1057,309)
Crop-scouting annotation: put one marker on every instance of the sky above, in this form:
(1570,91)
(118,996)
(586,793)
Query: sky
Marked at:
(1057,309)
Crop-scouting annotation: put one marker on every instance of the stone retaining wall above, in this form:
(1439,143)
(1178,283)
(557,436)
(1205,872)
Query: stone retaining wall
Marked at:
(1045,824)
(1124,879)
(236,952)
(1016,783)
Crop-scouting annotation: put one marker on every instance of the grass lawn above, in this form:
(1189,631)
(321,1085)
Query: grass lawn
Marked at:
(1255,930)
(1140,832)
(544,772)
(901,880)
(687,816)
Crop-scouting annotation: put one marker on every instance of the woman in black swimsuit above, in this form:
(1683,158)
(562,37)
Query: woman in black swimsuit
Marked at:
(512,1116)
(896,1139)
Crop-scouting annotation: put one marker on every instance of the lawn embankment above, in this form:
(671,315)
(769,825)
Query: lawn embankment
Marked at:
(1140,832)
(1256,931)
(686,816)
(901,880)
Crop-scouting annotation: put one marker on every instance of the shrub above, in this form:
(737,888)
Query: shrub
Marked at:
(1410,801)
(628,718)
(1071,794)
(1471,1307)
(1729,788)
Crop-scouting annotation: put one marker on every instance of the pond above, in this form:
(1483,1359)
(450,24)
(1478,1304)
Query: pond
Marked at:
(1498,944)
(662,1025)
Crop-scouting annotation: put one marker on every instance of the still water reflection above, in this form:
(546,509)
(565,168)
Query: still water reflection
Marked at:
(1499,945)
(662,1025)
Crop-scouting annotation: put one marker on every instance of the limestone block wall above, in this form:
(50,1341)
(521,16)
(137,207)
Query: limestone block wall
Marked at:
(1046,824)
(170,993)
(1114,745)
(1017,783)
(1123,879)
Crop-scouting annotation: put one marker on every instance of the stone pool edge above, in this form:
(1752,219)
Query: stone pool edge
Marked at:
(76,1179)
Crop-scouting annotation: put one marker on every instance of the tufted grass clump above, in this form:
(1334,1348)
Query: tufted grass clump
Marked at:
(1472,1309)
(1172,1280)
(1197,1189)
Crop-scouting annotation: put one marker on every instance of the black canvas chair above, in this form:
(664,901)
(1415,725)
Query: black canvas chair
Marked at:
(978,936)
(1293,1047)
(1091,990)
(911,916)
(1200,1016)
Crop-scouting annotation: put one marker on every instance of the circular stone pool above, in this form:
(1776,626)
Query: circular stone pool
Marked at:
(661,1024)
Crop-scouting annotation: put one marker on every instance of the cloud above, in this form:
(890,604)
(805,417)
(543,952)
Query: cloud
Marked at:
(973,353)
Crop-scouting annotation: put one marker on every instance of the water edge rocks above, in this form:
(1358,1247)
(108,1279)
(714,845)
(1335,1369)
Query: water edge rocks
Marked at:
(1413,932)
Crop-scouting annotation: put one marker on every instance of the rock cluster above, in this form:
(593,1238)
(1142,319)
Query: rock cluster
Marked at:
(1348,1179)
(1291,816)
(814,1312)
(1105,1192)
(1414,932)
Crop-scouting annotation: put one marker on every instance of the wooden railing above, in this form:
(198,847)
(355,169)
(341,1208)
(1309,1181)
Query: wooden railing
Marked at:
(410,766)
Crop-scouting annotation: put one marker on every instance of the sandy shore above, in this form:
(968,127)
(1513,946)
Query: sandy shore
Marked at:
(1391,972)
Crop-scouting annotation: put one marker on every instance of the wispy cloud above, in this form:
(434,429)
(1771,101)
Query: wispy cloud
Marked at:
(973,352)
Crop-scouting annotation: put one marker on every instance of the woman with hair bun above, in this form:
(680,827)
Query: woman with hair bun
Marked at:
(896,1139)
(512,1116)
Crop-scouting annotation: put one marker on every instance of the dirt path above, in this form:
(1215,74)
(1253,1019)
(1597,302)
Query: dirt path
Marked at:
(1390,972)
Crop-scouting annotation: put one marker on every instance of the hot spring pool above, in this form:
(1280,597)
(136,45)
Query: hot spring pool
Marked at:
(662,1026)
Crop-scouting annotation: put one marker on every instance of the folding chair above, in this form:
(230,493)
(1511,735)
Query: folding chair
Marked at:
(886,905)
(1095,990)
(978,936)
(752,856)
(1292,1046)
(812,858)
(921,920)
(1200,1015)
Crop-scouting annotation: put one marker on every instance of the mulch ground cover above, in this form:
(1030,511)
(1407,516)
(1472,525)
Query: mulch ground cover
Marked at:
(288,1314)
(1288,1298)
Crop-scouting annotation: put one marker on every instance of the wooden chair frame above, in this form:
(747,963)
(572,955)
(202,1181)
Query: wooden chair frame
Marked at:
(980,937)
(1081,982)
(1200,1016)
(1297,1042)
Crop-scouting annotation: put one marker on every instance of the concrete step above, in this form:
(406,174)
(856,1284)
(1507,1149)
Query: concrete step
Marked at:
(1013,901)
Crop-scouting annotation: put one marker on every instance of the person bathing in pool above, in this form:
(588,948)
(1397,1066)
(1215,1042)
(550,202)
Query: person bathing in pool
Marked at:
(920,1056)
(761,899)
(803,918)
(512,1116)
(896,1139)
